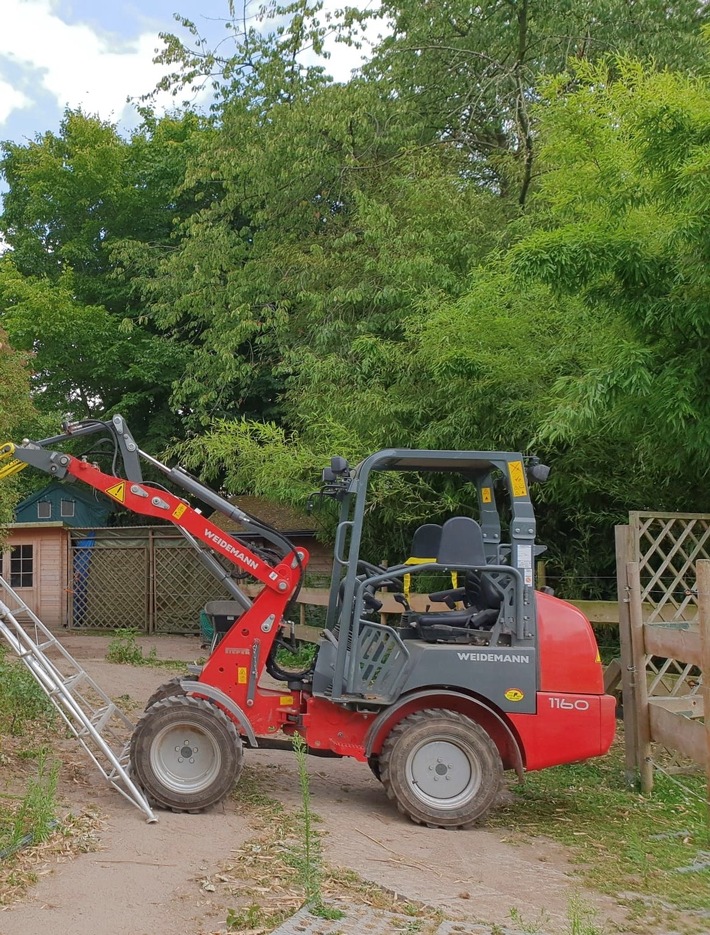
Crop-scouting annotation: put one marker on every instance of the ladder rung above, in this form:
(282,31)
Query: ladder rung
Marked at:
(71,680)
(46,645)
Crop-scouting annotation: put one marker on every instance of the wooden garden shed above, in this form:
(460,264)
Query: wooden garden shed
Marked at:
(75,567)
(36,560)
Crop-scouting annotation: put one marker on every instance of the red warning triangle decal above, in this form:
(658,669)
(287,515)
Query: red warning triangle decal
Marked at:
(118,492)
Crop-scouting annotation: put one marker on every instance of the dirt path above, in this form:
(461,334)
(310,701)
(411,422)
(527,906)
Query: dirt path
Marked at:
(149,879)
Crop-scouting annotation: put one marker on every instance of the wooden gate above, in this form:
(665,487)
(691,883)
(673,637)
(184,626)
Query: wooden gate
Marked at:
(148,578)
(664,649)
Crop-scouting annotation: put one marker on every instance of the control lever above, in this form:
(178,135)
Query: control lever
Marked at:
(401,599)
(449,597)
(371,601)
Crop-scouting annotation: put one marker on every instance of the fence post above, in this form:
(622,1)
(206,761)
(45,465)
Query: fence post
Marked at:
(150,596)
(702,570)
(624,554)
(643,722)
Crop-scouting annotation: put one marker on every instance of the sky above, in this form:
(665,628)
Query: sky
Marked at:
(94,54)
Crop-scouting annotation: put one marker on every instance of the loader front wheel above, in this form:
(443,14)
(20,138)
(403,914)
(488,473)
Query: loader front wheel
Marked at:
(441,768)
(186,753)
(167,689)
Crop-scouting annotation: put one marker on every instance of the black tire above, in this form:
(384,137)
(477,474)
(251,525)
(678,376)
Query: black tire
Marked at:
(169,688)
(441,768)
(186,754)
(374,763)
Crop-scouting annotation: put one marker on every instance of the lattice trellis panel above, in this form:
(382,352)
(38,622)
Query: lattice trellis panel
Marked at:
(182,586)
(667,547)
(143,577)
(109,587)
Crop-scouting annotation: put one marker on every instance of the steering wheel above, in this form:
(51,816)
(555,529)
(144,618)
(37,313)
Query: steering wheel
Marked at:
(372,570)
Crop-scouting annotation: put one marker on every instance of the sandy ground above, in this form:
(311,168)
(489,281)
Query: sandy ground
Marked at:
(148,879)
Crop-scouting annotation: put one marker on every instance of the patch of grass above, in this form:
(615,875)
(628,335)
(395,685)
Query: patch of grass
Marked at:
(29,830)
(73,835)
(252,917)
(32,818)
(23,704)
(123,649)
(581,920)
(630,846)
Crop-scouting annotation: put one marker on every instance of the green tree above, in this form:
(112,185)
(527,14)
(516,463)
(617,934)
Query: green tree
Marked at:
(325,220)
(471,71)
(84,364)
(625,218)
(73,199)
(16,414)
(355,275)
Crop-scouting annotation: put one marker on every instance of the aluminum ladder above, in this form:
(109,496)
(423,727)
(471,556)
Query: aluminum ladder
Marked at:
(97,723)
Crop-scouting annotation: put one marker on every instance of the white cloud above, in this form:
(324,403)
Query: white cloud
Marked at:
(345,59)
(10,99)
(74,63)
(81,67)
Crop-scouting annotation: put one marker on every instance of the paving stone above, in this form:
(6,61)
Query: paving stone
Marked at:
(476,928)
(361,920)
(357,920)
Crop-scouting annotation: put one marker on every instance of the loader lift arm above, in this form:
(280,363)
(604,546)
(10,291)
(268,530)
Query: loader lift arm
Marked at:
(147,499)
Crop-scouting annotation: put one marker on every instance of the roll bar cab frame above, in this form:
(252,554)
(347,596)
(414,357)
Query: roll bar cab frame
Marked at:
(514,559)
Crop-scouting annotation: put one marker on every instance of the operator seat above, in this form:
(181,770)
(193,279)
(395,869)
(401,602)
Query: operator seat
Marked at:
(462,544)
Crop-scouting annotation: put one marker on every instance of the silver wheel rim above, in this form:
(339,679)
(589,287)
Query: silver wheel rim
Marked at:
(185,758)
(443,774)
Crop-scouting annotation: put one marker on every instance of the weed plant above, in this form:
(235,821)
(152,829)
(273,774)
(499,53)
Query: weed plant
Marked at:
(299,658)
(23,704)
(309,861)
(124,649)
(33,819)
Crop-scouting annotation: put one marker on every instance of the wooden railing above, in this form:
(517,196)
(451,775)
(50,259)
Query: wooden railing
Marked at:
(663,573)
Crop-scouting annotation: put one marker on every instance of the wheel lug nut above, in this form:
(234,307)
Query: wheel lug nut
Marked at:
(180,760)
(192,760)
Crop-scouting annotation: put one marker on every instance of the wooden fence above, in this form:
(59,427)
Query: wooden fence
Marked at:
(663,576)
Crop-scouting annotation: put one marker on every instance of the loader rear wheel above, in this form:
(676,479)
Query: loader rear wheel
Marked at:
(441,768)
(186,753)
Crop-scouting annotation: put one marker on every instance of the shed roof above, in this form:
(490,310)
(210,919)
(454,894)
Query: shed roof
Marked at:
(285,517)
(94,506)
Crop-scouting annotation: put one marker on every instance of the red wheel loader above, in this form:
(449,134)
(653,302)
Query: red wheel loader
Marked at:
(492,676)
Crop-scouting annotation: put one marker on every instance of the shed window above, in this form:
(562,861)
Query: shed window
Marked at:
(44,509)
(66,508)
(21,566)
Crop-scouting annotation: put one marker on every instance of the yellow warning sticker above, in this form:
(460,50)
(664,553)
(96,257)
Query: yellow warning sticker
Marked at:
(598,658)
(514,694)
(518,486)
(486,495)
(286,700)
(179,510)
(242,675)
(118,492)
